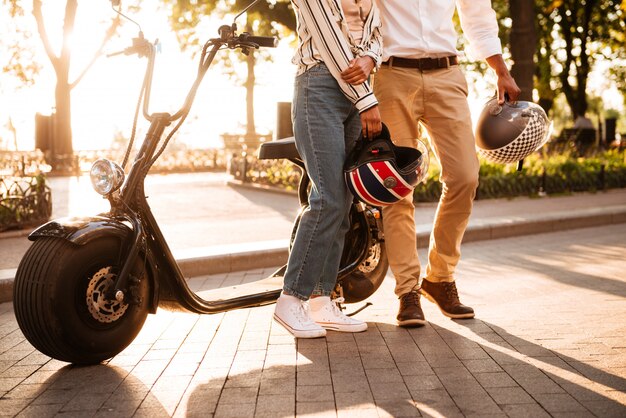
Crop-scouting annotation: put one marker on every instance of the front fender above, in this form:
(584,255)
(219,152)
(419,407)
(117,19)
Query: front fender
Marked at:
(83,230)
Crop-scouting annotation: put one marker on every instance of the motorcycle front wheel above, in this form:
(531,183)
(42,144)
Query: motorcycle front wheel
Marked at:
(60,304)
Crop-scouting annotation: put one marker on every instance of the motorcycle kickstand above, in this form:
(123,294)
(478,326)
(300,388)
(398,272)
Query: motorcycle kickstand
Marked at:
(340,299)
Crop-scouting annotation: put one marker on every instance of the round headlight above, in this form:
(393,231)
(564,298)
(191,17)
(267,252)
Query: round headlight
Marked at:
(106,176)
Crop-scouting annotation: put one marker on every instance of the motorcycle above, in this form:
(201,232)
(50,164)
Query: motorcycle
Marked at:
(86,285)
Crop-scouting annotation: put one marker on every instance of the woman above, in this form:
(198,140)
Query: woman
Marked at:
(339,45)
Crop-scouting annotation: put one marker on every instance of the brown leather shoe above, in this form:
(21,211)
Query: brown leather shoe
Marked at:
(410,313)
(445,295)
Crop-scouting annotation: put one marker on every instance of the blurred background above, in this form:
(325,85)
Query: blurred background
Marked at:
(64,103)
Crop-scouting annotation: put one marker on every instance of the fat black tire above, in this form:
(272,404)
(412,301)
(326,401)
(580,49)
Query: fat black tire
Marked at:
(366,278)
(50,303)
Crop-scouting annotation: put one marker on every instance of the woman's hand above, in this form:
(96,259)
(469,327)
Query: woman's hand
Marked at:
(370,122)
(358,71)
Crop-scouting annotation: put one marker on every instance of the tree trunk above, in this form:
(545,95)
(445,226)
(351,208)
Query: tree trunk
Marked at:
(250,82)
(62,140)
(13,131)
(523,42)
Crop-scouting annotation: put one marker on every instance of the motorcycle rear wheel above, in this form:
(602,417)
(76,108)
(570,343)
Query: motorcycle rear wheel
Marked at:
(363,280)
(59,301)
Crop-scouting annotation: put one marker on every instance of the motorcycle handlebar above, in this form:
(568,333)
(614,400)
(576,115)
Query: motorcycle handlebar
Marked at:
(261,41)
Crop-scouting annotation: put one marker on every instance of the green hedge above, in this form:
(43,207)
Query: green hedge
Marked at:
(555,174)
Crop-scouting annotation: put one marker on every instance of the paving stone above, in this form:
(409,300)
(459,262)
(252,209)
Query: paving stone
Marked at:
(525,411)
(359,413)
(606,409)
(275,405)
(314,378)
(154,412)
(81,404)
(11,407)
(481,366)
(405,408)
(245,380)
(234,410)
(386,392)
(559,402)
(238,395)
(391,375)
(49,410)
(355,400)
(509,395)
(479,404)
(418,368)
(314,393)
(316,409)
(498,380)
(343,383)
(541,386)
(436,403)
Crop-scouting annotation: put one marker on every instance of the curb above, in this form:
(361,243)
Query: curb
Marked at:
(200,262)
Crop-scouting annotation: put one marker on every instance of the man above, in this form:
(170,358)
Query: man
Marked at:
(420,81)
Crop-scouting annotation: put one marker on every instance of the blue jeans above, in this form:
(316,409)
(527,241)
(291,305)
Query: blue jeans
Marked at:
(326,126)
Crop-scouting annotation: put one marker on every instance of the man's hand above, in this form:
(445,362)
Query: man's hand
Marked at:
(506,83)
(370,122)
(358,71)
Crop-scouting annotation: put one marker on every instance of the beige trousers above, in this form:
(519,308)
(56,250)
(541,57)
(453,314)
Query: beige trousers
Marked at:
(438,100)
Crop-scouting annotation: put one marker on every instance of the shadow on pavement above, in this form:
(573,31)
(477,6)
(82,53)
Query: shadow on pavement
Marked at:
(285,204)
(100,390)
(566,275)
(499,378)
(558,382)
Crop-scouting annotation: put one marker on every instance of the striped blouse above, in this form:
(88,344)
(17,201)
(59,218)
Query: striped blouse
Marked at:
(324,37)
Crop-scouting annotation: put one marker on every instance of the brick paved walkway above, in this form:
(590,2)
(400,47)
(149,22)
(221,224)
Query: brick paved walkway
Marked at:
(549,340)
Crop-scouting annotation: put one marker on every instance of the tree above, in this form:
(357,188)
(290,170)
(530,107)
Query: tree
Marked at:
(24,66)
(522,45)
(264,19)
(62,133)
(19,68)
(571,36)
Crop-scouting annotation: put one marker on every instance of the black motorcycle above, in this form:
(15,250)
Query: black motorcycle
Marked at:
(86,285)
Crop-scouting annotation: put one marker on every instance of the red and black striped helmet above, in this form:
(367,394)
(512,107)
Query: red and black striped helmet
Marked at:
(380,173)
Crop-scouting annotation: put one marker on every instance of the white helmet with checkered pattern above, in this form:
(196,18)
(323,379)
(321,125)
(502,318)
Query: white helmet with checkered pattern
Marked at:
(510,132)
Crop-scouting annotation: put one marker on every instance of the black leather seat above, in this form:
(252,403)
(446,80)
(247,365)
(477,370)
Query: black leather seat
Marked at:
(282,148)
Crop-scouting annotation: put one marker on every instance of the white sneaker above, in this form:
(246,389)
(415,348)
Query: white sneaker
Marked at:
(293,314)
(327,314)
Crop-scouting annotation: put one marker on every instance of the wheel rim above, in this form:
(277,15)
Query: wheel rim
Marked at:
(102,309)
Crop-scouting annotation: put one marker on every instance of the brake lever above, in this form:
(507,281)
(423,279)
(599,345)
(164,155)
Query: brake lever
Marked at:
(245,46)
(141,46)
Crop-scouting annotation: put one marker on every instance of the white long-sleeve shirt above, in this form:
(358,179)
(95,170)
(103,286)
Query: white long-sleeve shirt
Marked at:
(424,28)
(324,37)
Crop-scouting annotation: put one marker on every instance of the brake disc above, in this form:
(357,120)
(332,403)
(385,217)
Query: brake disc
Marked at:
(371,261)
(102,309)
